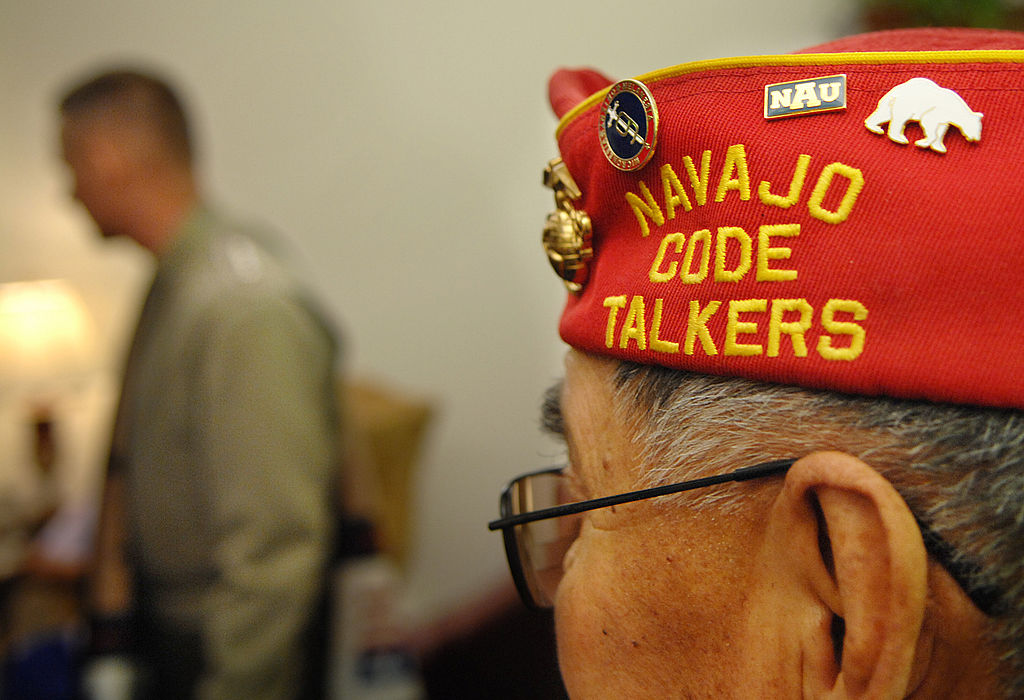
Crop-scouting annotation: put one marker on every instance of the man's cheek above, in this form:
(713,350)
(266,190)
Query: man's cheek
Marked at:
(585,655)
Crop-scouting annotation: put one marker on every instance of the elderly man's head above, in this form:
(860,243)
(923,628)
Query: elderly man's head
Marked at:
(722,590)
(792,409)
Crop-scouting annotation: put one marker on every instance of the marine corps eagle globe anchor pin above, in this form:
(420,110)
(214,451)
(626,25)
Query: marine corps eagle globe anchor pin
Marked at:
(567,233)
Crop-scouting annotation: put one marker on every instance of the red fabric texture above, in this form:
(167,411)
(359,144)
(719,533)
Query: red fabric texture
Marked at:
(931,249)
(567,88)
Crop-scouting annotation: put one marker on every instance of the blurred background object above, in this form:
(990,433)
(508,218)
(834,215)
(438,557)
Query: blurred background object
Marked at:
(48,365)
(389,430)
(893,14)
(47,339)
(47,360)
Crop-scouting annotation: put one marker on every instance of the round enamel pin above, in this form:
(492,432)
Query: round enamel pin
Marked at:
(629,125)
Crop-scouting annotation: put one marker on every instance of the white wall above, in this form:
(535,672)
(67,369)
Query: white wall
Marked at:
(399,145)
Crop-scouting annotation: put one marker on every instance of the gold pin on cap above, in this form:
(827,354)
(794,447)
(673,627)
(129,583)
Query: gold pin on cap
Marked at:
(567,232)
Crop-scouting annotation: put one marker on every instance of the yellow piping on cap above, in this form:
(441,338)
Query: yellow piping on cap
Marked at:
(806,59)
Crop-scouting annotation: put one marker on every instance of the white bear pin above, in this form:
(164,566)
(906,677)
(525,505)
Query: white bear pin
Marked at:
(932,106)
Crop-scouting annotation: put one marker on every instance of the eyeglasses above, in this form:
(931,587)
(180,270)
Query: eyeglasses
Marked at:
(539,523)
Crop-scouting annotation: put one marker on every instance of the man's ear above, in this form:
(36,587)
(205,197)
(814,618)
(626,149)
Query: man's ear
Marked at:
(858,555)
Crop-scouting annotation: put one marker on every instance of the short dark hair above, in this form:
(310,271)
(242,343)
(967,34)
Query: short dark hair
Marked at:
(131,95)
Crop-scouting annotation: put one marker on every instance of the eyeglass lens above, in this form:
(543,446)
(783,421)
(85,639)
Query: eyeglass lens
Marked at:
(541,545)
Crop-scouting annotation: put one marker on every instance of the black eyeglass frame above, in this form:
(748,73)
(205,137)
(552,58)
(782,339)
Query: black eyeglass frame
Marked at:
(965,572)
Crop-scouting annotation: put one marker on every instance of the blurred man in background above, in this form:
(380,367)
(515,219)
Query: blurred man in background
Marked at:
(217,514)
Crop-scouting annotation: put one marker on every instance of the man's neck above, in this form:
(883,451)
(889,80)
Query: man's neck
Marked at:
(162,214)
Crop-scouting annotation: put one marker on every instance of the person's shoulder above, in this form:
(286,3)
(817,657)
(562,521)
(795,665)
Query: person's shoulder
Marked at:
(244,255)
(253,275)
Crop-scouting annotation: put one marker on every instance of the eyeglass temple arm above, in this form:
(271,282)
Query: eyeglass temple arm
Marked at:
(744,474)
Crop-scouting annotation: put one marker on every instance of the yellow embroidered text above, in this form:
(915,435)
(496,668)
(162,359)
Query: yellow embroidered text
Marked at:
(768,327)
(688,258)
(832,196)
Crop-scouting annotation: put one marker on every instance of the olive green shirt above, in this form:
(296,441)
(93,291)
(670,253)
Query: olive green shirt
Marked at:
(227,437)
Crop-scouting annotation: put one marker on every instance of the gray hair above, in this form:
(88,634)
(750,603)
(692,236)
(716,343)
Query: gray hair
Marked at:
(959,468)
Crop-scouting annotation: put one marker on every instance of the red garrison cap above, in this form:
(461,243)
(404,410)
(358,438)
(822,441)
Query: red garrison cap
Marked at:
(850,217)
